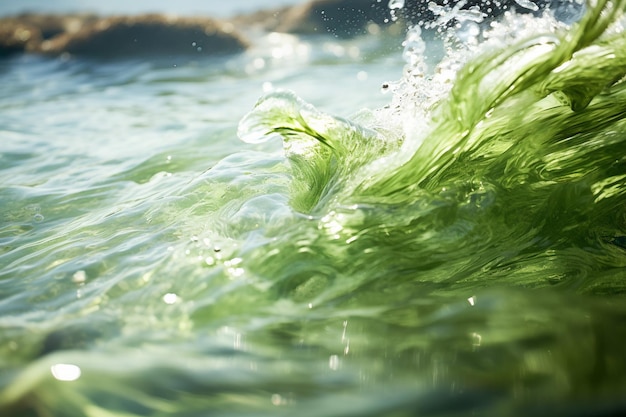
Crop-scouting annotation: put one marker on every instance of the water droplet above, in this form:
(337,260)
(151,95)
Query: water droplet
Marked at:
(396,4)
(527,4)
(414,47)
(65,372)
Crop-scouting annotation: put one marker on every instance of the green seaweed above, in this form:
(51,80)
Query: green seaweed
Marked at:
(523,161)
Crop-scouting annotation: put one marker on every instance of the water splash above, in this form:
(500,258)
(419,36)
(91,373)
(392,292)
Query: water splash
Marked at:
(527,4)
(413,196)
(394,6)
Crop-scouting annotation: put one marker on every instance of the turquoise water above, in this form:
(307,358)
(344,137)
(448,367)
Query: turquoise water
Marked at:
(453,246)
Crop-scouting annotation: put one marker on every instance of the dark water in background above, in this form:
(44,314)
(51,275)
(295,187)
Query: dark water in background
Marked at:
(459,250)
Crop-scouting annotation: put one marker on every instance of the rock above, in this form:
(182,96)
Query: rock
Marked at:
(25,32)
(147,35)
(51,25)
(17,37)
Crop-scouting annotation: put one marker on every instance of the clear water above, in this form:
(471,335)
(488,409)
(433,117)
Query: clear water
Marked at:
(459,250)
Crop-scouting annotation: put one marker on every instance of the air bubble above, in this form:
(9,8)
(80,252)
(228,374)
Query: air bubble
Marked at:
(38,217)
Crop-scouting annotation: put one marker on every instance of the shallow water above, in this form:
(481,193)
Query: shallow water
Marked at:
(433,257)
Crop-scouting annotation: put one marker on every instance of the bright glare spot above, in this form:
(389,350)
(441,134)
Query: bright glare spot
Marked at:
(333,225)
(310,305)
(352,239)
(258,63)
(79,277)
(233,262)
(361,76)
(354,52)
(268,87)
(65,372)
(277,400)
(476,339)
(373,29)
(333,362)
(237,342)
(335,49)
(472,300)
(170,298)
(235,272)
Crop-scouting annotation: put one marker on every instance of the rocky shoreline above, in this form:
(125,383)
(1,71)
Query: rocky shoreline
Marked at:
(89,35)
(117,37)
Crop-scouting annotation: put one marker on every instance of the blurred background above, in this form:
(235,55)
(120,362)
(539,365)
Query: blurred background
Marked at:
(183,7)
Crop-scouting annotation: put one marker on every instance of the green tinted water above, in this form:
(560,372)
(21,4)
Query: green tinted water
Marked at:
(459,250)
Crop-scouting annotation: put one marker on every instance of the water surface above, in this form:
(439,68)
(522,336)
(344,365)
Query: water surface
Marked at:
(452,246)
